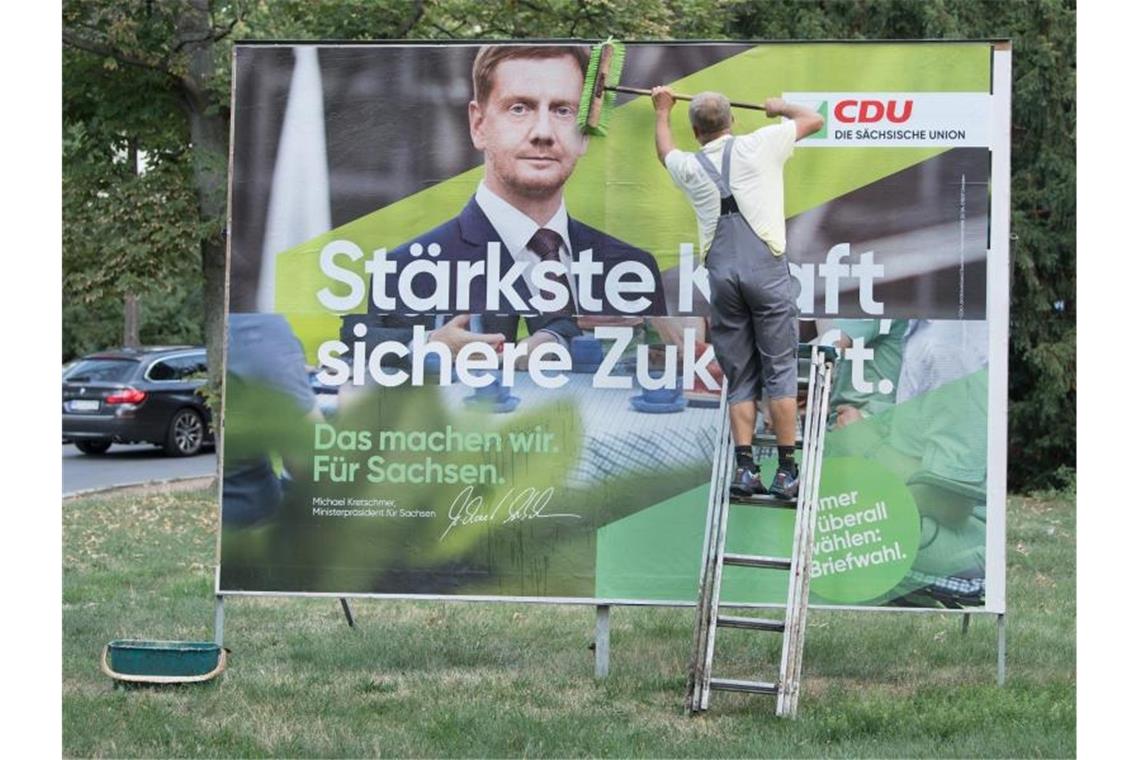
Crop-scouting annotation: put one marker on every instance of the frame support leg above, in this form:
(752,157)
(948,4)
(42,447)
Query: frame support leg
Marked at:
(965,623)
(1001,650)
(347,612)
(602,642)
(219,619)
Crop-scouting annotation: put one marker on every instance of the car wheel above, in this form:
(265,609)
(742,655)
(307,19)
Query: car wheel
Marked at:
(185,435)
(93,447)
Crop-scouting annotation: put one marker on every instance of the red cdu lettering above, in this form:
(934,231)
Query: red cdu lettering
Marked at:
(899,118)
(870,111)
(873,111)
(843,111)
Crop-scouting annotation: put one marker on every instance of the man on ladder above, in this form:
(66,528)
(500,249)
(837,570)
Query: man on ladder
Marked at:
(740,219)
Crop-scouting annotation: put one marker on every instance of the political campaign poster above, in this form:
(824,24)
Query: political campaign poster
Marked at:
(468,350)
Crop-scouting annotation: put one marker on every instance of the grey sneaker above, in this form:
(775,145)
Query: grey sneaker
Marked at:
(786,484)
(746,482)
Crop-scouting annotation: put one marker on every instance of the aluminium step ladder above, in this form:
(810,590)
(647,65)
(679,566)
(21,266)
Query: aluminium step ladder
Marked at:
(820,362)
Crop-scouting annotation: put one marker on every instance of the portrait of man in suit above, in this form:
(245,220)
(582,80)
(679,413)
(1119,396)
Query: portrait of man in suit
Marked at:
(523,117)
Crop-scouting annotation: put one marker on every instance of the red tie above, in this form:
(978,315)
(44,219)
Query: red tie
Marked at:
(546,243)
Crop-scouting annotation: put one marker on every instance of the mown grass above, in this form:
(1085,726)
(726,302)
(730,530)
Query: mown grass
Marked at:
(459,679)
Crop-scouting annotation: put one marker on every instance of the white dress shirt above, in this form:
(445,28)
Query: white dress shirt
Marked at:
(516,229)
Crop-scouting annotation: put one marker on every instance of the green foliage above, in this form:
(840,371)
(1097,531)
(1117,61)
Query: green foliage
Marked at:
(123,232)
(126,232)
(629,20)
(343,20)
(173,317)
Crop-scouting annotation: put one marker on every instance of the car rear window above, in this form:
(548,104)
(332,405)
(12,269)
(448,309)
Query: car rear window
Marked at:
(101,371)
(179,368)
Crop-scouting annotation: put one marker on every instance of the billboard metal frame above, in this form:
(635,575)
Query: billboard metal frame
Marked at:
(998,270)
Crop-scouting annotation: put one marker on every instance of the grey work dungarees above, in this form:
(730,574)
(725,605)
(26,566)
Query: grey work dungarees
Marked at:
(753,325)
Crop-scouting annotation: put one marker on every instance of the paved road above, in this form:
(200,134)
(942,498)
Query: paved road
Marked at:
(126,465)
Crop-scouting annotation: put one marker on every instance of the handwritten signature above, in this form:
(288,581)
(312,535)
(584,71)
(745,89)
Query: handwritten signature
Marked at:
(527,504)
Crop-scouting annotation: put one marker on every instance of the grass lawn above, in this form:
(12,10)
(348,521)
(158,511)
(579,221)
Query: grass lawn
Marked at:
(459,679)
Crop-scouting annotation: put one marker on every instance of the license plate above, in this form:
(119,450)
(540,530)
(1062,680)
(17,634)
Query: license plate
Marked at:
(83,405)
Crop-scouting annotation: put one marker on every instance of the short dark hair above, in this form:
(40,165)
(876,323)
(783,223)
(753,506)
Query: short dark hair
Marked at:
(490,56)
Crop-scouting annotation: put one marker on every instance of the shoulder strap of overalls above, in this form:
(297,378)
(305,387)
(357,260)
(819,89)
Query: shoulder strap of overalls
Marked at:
(720,179)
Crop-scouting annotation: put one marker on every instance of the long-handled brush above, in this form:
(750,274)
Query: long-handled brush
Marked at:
(602,76)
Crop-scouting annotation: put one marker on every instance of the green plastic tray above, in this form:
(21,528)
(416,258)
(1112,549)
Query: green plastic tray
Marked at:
(163,661)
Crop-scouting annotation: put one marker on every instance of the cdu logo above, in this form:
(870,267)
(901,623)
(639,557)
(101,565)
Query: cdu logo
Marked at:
(873,111)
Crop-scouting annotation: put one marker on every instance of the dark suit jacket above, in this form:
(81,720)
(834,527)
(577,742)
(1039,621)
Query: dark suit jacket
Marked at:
(465,238)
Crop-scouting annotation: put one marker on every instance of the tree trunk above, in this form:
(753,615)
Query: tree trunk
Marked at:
(209,133)
(213,298)
(131,321)
(131,300)
(209,136)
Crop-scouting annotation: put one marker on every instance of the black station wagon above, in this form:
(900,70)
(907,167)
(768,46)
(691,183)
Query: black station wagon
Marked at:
(146,395)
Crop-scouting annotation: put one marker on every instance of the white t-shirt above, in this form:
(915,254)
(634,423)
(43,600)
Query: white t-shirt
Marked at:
(756,178)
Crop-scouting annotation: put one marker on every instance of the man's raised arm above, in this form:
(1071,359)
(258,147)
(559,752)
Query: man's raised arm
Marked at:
(663,103)
(808,122)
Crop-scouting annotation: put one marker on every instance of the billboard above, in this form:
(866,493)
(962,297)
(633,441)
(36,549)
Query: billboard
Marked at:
(467,348)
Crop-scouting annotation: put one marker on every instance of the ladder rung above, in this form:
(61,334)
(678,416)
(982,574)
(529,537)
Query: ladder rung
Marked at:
(768,439)
(764,500)
(755,560)
(755,624)
(753,687)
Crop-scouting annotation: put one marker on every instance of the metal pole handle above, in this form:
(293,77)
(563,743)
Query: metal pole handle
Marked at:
(679,96)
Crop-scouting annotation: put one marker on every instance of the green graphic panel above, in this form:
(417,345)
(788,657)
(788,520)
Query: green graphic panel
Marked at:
(627,192)
(935,444)
(620,187)
(866,532)
(655,553)
(924,461)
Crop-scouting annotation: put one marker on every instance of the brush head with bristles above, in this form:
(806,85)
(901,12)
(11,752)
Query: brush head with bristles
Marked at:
(604,70)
